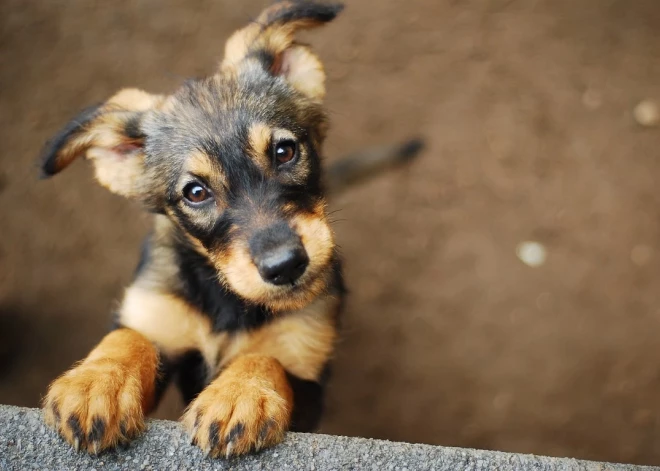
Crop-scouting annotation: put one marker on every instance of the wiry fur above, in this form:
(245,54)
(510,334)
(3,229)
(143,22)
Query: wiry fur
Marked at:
(249,352)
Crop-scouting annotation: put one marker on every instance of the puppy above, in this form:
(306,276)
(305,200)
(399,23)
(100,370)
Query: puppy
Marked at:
(237,294)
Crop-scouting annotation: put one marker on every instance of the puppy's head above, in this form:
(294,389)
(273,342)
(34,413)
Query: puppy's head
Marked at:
(233,159)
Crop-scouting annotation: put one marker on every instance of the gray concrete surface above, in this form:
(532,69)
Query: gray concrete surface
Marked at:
(25,443)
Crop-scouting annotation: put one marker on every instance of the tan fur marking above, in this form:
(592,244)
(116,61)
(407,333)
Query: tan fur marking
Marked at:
(302,341)
(251,398)
(170,323)
(114,385)
(121,177)
(241,273)
(281,134)
(317,237)
(201,165)
(238,45)
(133,99)
(260,136)
(304,71)
(163,270)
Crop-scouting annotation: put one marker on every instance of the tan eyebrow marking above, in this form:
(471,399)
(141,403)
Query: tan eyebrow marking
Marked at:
(259,136)
(200,164)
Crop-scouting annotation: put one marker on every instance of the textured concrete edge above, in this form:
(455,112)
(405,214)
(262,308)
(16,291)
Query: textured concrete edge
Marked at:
(25,443)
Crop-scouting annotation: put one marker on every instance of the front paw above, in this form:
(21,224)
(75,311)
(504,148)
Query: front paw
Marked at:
(96,405)
(238,414)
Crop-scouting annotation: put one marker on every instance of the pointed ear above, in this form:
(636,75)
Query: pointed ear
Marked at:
(109,135)
(270,40)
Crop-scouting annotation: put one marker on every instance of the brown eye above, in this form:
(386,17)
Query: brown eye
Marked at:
(285,151)
(196,193)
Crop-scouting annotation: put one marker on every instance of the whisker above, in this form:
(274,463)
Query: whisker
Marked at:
(335,211)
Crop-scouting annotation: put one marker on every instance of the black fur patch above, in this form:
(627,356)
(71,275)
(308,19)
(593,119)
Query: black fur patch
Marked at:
(235,433)
(308,401)
(74,424)
(201,288)
(265,57)
(53,146)
(214,434)
(163,378)
(193,375)
(132,128)
(278,234)
(97,431)
(299,9)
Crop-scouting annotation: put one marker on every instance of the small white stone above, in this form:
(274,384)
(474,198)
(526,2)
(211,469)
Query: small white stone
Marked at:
(647,113)
(531,253)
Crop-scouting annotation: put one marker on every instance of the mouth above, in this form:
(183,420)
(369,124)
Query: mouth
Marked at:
(300,286)
(298,294)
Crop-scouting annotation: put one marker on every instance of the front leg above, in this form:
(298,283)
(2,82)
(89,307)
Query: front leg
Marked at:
(246,408)
(271,381)
(103,400)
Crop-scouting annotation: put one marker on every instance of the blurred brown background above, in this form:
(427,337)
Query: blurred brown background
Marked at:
(449,338)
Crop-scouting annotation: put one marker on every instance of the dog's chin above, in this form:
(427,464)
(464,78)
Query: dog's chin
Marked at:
(290,297)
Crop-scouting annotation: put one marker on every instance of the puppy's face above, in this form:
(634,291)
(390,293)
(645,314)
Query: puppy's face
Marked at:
(232,160)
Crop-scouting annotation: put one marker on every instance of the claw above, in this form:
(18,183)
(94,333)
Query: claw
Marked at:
(230,446)
(124,444)
(259,445)
(123,429)
(76,444)
(236,432)
(214,434)
(263,434)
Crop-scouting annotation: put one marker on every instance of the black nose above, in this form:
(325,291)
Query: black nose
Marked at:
(283,265)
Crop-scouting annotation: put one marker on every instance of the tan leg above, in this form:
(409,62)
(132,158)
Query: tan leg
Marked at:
(103,400)
(246,408)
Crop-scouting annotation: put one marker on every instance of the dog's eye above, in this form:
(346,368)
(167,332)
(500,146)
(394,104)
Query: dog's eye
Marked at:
(196,193)
(285,151)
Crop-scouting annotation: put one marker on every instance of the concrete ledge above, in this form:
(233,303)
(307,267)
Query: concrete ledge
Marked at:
(25,443)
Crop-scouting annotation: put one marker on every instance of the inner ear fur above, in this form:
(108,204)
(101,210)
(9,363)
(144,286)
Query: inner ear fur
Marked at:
(270,40)
(109,135)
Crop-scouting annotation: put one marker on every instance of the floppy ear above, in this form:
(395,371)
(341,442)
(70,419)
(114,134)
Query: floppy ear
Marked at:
(270,40)
(109,135)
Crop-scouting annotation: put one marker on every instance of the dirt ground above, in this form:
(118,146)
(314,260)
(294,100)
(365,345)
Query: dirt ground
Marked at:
(449,339)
